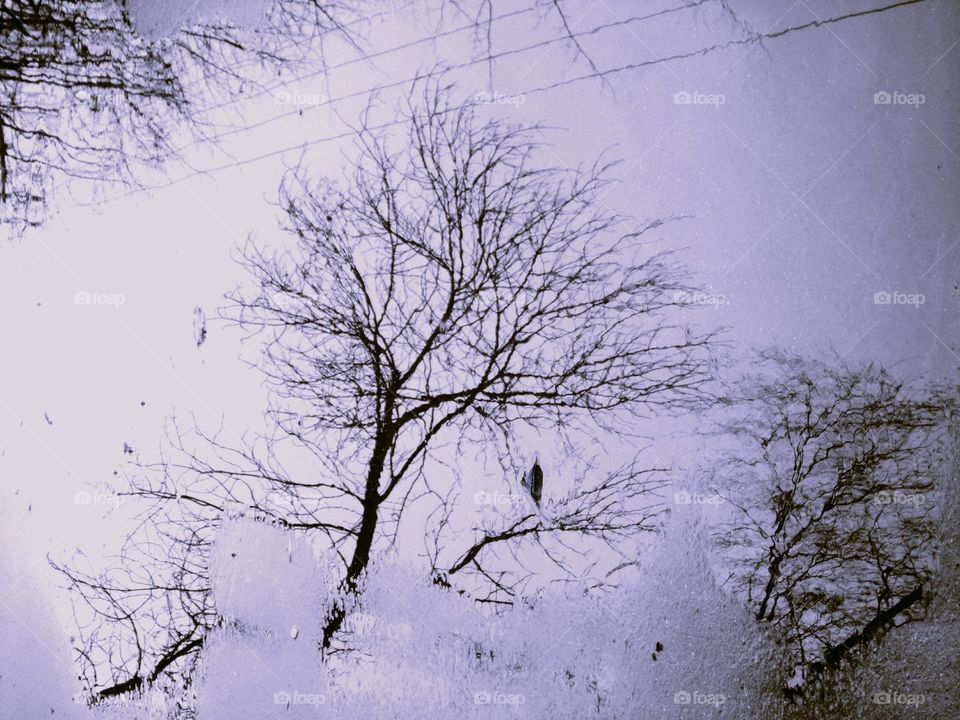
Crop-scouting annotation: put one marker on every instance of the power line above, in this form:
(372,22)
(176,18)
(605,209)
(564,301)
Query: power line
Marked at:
(339,29)
(490,57)
(364,58)
(758,37)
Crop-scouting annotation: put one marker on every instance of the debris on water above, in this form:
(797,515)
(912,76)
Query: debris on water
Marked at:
(199,325)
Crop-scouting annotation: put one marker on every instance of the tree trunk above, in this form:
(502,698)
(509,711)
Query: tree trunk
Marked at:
(873,630)
(365,536)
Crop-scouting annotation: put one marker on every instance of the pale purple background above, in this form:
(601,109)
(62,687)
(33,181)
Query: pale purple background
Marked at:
(877,211)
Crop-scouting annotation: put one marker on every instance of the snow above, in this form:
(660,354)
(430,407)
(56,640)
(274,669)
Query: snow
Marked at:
(667,642)
(422,651)
(36,662)
(156,18)
(270,579)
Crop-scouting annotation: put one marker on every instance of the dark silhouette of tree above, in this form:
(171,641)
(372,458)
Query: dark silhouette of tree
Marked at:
(452,292)
(142,621)
(833,481)
(83,95)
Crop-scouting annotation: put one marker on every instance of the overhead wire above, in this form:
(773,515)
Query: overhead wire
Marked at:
(442,70)
(371,56)
(491,57)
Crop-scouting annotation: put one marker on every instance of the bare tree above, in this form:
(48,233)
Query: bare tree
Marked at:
(141,621)
(83,95)
(452,293)
(833,483)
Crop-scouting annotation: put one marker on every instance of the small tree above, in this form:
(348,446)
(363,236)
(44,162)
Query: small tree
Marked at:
(832,482)
(916,670)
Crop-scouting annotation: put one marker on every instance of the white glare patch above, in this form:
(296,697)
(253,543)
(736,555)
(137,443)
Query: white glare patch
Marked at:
(159,18)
